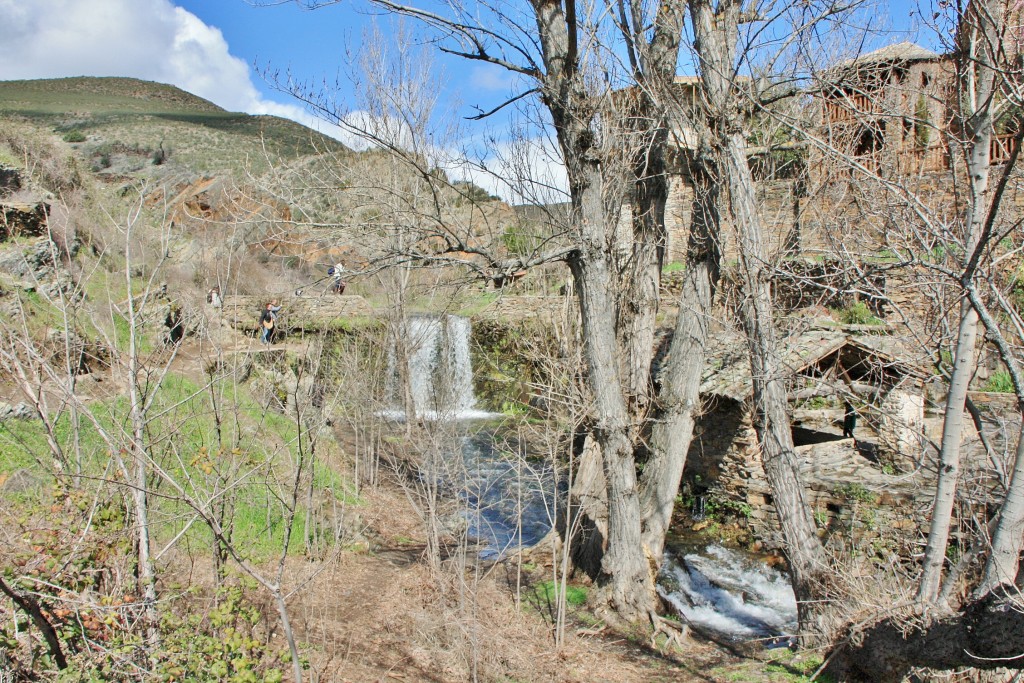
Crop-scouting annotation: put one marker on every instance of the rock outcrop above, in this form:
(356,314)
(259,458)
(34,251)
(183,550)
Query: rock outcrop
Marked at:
(21,219)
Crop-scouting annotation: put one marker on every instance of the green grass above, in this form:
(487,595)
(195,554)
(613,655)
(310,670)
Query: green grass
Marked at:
(999,382)
(184,440)
(546,593)
(143,115)
(782,666)
(673,267)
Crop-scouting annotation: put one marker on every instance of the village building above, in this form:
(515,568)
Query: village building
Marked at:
(840,381)
(889,111)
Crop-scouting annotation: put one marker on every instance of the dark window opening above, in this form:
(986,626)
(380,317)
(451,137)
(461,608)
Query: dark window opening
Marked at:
(870,141)
(805,437)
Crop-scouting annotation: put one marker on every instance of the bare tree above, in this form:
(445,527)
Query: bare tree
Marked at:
(955,245)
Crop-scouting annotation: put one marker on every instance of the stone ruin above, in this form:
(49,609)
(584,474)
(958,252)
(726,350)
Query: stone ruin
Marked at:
(829,371)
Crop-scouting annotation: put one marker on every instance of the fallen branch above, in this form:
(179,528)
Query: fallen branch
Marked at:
(30,606)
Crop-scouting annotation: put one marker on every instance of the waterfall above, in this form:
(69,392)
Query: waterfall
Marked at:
(508,499)
(697,510)
(440,373)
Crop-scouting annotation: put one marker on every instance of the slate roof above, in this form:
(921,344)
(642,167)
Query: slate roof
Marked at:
(899,52)
(727,373)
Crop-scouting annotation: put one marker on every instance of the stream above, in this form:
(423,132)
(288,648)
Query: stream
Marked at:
(509,496)
(728,593)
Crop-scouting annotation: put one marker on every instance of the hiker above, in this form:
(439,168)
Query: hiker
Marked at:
(213,297)
(175,328)
(849,421)
(268,322)
(337,271)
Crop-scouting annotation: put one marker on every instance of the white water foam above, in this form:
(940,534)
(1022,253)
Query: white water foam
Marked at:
(439,370)
(723,591)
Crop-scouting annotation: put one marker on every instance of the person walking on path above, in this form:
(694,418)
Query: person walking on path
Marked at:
(337,271)
(268,322)
(849,421)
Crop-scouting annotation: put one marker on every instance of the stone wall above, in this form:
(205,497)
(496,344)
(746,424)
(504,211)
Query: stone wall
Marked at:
(23,220)
(781,212)
(725,461)
(297,312)
(549,309)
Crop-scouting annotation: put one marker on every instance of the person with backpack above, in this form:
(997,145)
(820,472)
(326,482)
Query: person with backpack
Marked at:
(337,271)
(268,322)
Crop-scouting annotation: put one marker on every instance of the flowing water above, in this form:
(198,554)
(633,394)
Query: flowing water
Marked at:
(728,593)
(438,368)
(509,497)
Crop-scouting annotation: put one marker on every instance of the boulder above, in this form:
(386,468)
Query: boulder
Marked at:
(17,411)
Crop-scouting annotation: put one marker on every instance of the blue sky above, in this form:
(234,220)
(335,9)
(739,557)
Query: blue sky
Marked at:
(217,48)
(214,48)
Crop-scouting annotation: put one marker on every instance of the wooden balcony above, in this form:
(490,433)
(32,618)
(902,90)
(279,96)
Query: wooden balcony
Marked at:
(850,107)
(1001,148)
(930,159)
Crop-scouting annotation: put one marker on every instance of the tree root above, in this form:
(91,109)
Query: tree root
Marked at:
(675,632)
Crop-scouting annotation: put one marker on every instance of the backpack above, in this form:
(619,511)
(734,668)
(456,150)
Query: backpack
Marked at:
(267,320)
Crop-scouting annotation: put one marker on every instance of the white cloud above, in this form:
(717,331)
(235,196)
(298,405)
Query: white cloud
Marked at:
(491,77)
(149,39)
(527,170)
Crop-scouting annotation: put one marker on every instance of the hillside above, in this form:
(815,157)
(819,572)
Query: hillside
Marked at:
(103,115)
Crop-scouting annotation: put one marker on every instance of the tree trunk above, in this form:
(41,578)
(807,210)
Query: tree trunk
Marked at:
(626,571)
(964,364)
(1003,564)
(654,65)
(630,580)
(30,606)
(140,455)
(770,402)
(715,33)
(978,38)
(679,396)
(289,634)
(1008,540)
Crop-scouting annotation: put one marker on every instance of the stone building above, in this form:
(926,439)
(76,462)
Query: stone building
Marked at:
(890,110)
(830,373)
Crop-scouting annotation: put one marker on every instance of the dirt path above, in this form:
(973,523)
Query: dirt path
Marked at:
(379,612)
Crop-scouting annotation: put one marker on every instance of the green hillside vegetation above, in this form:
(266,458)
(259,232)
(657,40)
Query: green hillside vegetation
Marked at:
(111,115)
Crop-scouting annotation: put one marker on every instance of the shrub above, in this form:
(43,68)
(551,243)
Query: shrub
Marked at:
(718,507)
(857,313)
(74,135)
(519,241)
(857,492)
(1000,382)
